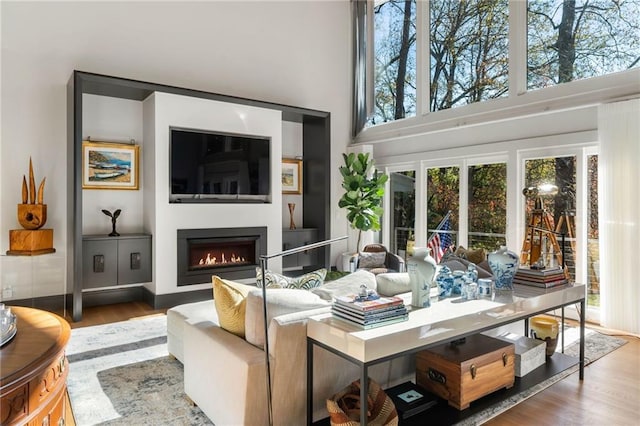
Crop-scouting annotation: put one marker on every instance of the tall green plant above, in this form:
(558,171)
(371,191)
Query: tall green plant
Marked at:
(364,190)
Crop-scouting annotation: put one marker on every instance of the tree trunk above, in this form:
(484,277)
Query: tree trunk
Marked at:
(402,61)
(566,42)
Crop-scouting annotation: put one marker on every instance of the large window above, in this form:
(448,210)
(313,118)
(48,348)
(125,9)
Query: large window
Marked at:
(395,60)
(487,202)
(443,195)
(441,54)
(469,51)
(403,210)
(552,209)
(575,39)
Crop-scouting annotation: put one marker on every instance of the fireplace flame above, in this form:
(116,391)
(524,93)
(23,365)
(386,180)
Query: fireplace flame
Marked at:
(213,260)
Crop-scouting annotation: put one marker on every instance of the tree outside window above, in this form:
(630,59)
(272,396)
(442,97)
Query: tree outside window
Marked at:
(576,39)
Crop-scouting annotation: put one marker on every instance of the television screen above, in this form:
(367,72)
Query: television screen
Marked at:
(209,166)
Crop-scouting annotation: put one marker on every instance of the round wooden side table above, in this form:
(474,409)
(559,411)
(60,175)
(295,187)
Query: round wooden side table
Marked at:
(33,370)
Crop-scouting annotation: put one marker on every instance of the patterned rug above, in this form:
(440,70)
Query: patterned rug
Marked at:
(121,374)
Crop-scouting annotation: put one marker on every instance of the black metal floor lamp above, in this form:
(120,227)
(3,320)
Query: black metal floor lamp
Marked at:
(263,268)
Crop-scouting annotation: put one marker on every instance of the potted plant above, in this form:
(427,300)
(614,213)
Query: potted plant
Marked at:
(364,189)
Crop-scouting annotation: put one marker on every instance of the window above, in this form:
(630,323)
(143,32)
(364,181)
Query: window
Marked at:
(440,55)
(487,206)
(575,39)
(555,209)
(403,209)
(443,195)
(469,51)
(593,244)
(395,61)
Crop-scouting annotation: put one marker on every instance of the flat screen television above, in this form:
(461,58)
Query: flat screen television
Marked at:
(207,166)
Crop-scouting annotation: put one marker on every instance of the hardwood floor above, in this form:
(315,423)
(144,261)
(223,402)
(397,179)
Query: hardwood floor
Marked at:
(609,394)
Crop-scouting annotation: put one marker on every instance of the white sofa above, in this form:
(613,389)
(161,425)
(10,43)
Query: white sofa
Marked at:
(225,374)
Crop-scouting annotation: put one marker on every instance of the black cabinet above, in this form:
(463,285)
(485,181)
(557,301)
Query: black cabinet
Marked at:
(110,261)
(292,238)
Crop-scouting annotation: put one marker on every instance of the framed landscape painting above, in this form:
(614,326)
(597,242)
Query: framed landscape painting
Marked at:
(291,176)
(110,165)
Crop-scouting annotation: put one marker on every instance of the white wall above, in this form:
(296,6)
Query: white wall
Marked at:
(168,110)
(293,53)
(119,120)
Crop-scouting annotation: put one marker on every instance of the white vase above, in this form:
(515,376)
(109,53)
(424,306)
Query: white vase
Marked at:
(422,269)
(503,264)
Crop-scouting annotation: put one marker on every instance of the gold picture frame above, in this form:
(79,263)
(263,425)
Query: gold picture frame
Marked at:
(291,176)
(110,165)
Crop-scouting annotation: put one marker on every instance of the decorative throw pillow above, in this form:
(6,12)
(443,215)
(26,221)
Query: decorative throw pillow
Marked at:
(371,260)
(304,282)
(229,298)
(476,256)
(279,302)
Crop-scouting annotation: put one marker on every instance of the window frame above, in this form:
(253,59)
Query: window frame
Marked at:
(519,102)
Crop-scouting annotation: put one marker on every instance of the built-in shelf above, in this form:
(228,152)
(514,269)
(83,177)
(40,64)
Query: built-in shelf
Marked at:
(316,151)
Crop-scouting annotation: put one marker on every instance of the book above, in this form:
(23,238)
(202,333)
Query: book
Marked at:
(370,313)
(548,278)
(368,319)
(540,272)
(410,399)
(355,302)
(370,325)
(541,284)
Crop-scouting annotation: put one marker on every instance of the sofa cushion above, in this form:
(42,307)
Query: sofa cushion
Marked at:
(390,284)
(369,260)
(348,284)
(306,282)
(279,302)
(229,298)
(476,256)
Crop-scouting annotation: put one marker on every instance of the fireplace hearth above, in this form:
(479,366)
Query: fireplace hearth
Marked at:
(231,253)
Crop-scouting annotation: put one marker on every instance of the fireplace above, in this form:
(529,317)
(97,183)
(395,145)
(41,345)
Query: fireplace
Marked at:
(232,253)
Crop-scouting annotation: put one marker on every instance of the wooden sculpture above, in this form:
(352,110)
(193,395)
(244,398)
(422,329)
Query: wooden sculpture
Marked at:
(32,215)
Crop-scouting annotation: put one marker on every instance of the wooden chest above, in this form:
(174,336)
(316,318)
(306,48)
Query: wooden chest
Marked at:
(465,370)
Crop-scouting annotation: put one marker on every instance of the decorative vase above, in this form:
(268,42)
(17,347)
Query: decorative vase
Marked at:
(292,207)
(445,282)
(503,264)
(422,268)
(545,329)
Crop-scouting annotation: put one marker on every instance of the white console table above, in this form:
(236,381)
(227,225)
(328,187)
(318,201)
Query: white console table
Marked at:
(444,321)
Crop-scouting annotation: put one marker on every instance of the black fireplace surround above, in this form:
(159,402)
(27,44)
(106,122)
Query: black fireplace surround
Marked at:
(233,253)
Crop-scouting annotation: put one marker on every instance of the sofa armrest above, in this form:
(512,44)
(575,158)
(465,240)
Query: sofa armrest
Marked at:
(224,375)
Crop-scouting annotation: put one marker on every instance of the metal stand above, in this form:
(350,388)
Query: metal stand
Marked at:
(263,268)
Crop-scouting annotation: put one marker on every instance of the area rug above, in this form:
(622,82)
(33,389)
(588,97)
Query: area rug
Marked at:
(121,374)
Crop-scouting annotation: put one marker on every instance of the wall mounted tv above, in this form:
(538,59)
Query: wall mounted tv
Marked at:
(215,167)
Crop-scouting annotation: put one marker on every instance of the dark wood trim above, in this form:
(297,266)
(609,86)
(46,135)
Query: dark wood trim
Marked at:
(316,145)
(165,301)
(111,296)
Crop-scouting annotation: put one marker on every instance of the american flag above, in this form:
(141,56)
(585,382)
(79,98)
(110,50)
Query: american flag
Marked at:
(440,242)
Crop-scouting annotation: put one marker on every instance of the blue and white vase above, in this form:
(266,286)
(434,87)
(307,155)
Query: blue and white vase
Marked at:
(503,264)
(422,269)
(445,282)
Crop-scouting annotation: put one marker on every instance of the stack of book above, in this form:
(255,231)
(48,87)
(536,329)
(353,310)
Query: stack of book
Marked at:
(545,278)
(370,311)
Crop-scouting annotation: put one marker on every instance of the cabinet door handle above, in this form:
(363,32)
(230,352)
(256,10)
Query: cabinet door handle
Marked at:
(135,260)
(98,263)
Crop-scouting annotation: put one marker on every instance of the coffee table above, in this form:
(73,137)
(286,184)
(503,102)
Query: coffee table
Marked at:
(444,321)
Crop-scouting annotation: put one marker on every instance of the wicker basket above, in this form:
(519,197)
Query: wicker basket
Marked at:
(344,407)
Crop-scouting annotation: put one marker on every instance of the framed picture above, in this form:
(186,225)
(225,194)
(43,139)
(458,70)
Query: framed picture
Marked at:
(110,165)
(291,176)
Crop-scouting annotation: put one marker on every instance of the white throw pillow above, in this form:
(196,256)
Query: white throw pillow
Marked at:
(279,302)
